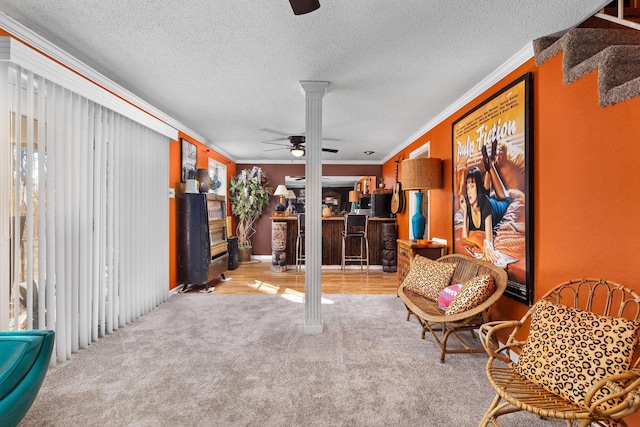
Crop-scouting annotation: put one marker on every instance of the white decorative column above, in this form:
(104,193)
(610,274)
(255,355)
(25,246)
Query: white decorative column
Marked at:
(314,91)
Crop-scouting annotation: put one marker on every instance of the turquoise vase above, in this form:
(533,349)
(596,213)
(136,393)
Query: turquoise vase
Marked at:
(418,221)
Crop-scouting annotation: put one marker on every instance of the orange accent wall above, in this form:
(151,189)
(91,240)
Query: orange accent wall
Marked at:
(586,202)
(586,207)
(204,154)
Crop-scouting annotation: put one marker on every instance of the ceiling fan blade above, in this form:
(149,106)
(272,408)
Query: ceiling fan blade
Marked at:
(274,143)
(329,150)
(274,149)
(277,132)
(300,7)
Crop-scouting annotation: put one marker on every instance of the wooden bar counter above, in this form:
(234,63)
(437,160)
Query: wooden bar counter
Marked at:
(332,228)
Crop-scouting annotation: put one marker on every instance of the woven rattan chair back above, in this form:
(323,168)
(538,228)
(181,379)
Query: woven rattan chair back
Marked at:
(516,393)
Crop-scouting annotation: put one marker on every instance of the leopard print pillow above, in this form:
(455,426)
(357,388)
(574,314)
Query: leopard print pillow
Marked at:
(474,292)
(427,277)
(568,350)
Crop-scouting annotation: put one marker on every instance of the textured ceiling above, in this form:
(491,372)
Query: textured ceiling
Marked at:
(229,70)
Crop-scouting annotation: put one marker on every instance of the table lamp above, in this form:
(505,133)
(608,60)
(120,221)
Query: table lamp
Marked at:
(281,191)
(420,174)
(354,197)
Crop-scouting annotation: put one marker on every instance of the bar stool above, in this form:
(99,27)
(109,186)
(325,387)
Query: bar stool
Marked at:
(355,228)
(300,255)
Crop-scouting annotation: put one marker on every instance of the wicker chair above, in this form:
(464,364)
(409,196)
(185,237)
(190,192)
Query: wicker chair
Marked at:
(515,393)
(442,326)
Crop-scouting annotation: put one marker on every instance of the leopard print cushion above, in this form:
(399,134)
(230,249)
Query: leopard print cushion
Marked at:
(568,350)
(427,277)
(474,292)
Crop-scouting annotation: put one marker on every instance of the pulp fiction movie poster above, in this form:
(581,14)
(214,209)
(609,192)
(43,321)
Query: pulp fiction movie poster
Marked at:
(491,202)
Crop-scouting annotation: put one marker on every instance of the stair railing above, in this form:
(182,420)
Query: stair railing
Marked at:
(620,19)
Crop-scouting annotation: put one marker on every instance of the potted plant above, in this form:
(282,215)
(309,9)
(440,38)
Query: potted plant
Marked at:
(248,195)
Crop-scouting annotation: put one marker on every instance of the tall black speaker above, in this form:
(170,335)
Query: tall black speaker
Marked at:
(194,254)
(232,250)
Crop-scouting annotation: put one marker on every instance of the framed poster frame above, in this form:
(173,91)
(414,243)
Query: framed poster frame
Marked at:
(188,160)
(218,178)
(492,186)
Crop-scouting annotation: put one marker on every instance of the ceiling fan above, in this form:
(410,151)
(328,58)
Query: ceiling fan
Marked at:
(297,145)
(300,7)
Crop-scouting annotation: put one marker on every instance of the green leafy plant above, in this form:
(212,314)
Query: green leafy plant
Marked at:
(249,195)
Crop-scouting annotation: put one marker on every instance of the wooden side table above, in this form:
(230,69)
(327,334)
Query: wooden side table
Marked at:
(407,249)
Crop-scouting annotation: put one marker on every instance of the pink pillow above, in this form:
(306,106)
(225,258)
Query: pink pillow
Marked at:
(448,294)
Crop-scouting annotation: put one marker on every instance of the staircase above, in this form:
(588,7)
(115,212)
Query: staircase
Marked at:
(613,52)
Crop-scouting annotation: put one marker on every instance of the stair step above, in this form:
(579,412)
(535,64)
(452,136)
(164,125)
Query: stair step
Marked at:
(618,74)
(580,44)
(614,53)
(545,48)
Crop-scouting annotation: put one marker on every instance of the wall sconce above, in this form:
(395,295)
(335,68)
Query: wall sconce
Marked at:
(281,191)
(420,174)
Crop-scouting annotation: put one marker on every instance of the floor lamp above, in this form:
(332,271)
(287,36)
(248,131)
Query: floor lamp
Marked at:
(420,174)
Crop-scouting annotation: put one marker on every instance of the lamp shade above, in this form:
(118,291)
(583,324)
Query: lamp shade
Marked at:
(281,190)
(421,173)
(354,196)
(290,195)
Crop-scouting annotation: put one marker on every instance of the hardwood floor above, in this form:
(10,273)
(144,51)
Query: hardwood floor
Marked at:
(257,277)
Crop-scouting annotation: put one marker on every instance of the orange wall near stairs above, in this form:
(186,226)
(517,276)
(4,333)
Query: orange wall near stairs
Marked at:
(585,164)
(585,178)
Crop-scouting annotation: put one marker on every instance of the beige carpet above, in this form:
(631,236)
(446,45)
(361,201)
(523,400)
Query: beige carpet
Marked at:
(243,360)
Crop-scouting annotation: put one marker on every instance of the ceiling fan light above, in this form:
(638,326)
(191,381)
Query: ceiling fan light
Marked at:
(300,7)
(297,151)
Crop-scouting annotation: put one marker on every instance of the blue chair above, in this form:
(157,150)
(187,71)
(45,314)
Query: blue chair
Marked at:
(24,360)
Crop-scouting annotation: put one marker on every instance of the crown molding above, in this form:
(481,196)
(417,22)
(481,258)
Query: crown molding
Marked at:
(510,65)
(31,50)
(259,161)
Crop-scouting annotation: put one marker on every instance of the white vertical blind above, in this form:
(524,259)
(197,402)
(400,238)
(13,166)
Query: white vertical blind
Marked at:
(6,174)
(84,239)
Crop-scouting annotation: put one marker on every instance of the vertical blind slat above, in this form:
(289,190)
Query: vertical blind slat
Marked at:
(42,206)
(75,223)
(6,170)
(51,208)
(17,217)
(84,167)
(28,199)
